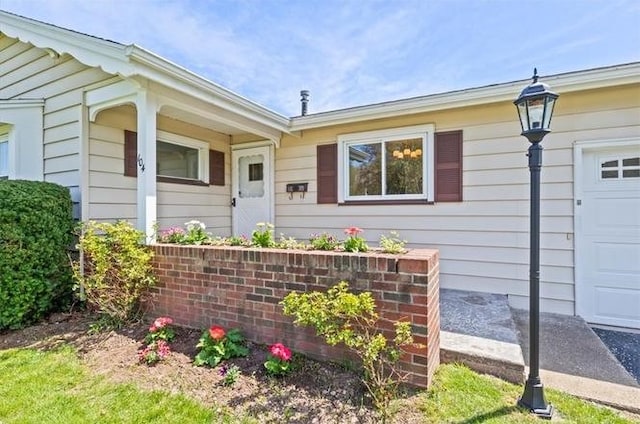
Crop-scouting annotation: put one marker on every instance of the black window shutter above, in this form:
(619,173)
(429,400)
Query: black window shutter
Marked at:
(448,166)
(130,153)
(327,170)
(216,167)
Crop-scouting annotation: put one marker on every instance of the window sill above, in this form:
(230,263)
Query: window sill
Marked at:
(387,202)
(181,181)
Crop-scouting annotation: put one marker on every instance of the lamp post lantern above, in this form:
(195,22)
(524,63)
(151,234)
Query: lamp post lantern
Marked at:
(535,107)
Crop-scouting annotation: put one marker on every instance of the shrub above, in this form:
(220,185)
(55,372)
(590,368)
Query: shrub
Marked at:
(36,230)
(343,317)
(117,269)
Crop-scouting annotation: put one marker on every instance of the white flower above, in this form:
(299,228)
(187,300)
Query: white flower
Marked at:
(193,224)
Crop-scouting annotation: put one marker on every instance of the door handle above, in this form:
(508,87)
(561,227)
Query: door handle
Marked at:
(233,202)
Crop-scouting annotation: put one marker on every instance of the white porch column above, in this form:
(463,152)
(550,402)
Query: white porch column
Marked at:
(146,106)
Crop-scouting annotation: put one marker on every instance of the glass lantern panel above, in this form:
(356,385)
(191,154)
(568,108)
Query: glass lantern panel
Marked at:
(536,110)
(522,113)
(549,112)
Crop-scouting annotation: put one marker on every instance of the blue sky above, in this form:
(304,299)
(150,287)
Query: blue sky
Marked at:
(355,52)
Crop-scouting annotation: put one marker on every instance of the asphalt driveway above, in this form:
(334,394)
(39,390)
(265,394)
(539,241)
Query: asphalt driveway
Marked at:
(625,346)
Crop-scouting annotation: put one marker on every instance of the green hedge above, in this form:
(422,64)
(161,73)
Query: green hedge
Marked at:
(36,228)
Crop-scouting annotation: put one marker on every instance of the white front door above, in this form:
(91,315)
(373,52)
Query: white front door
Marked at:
(252,188)
(608,230)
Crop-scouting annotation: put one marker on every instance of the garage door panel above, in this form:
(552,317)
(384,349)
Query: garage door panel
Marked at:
(613,305)
(609,228)
(618,258)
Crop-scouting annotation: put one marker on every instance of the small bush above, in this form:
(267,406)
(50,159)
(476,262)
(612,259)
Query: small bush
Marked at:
(117,269)
(36,230)
(217,345)
(342,317)
(392,244)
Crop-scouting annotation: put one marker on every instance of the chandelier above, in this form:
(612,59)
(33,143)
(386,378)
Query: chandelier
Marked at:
(407,153)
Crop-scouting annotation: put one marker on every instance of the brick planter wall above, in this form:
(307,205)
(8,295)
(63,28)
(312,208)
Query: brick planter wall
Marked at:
(240,287)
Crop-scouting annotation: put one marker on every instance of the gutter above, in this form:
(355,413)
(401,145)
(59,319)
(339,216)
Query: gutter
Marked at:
(562,83)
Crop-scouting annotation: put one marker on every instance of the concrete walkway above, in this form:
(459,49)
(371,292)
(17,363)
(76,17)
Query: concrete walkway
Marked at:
(480,330)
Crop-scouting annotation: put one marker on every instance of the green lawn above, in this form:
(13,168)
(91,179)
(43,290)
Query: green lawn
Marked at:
(54,387)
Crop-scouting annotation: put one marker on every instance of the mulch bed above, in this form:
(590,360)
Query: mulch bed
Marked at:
(315,392)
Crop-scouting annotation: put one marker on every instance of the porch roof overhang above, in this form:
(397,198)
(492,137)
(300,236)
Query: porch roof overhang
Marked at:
(145,69)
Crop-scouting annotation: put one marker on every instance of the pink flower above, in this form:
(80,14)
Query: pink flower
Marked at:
(162,322)
(153,328)
(217,333)
(280,351)
(163,349)
(352,231)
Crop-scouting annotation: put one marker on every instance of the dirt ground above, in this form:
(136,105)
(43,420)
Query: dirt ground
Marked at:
(314,393)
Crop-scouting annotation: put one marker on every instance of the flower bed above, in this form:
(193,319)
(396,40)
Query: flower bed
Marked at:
(242,286)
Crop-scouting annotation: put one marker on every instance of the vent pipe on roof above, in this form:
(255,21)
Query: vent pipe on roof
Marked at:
(305,101)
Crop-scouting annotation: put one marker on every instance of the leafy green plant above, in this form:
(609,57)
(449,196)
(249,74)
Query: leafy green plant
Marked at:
(323,241)
(354,242)
(392,244)
(288,243)
(154,352)
(174,235)
(342,317)
(195,233)
(117,269)
(238,241)
(262,236)
(160,330)
(230,374)
(278,361)
(216,345)
(36,232)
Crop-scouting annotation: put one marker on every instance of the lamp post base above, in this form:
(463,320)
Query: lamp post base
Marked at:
(533,400)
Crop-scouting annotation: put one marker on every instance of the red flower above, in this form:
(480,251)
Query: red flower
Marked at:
(352,231)
(217,333)
(280,351)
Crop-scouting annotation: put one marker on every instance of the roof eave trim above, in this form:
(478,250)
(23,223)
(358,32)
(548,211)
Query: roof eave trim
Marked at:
(153,67)
(561,83)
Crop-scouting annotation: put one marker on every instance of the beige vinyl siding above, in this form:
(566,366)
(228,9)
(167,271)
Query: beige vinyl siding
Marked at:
(31,73)
(113,196)
(484,240)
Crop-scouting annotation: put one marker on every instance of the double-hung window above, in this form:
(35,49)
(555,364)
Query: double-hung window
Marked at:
(387,165)
(179,159)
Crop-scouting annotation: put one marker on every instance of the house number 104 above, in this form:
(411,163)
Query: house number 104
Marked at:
(140,162)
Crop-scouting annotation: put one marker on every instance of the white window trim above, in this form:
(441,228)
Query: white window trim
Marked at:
(201,146)
(4,139)
(426,132)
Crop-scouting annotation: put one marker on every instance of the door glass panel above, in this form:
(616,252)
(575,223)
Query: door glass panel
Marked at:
(251,178)
(610,164)
(631,173)
(631,162)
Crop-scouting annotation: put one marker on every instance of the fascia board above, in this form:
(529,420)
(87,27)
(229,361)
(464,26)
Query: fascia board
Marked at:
(174,76)
(561,83)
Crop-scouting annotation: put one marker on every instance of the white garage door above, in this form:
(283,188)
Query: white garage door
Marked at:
(609,237)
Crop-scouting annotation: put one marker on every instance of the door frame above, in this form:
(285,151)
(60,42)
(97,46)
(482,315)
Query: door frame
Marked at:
(580,291)
(270,175)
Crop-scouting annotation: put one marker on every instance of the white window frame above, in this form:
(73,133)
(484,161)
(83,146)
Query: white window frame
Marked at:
(203,153)
(4,139)
(425,132)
